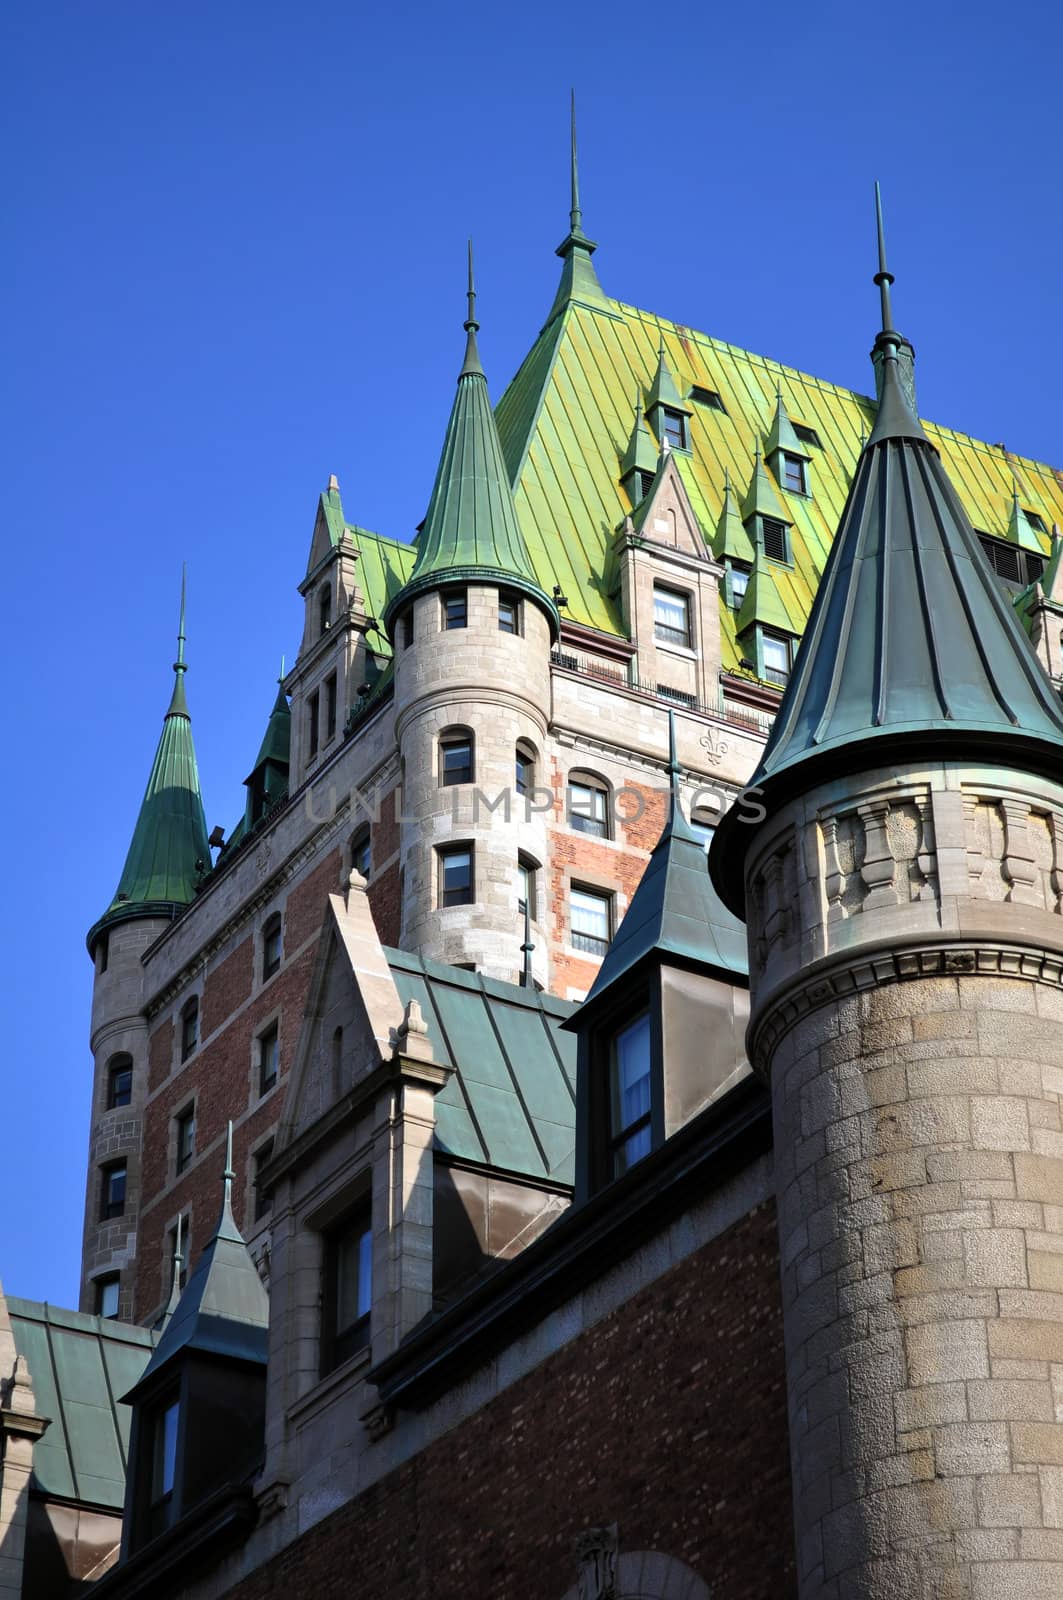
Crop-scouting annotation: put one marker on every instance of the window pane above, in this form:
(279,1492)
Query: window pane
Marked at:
(457,877)
(524,775)
(262,1198)
(113,1197)
(354,1276)
(508,614)
(739,585)
(590,921)
(675,429)
(671,618)
(776,659)
(454,611)
(107,1298)
(186,1139)
(794,473)
(165,1452)
(630,1093)
(361,855)
(269,1060)
(457,761)
(586,808)
(121,1087)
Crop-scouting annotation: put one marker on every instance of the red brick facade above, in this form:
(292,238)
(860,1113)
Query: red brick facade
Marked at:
(667,1417)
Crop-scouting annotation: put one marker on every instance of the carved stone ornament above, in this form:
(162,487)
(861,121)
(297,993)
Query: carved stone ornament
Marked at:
(714,747)
(595,1552)
(378,1420)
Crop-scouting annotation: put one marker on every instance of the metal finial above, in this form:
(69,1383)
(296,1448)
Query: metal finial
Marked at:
(228,1175)
(575,215)
(471,324)
(883,277)
(281,678)
(673,768)
(526,980)
(179,664)
(726,482)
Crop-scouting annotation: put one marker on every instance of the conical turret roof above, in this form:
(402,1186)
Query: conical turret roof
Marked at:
(663,391)
(224,1308)
(761,499)
(675,911)
(471,533)
(641,452)
(782,435)
(731,538)
(169,852)
(910,644)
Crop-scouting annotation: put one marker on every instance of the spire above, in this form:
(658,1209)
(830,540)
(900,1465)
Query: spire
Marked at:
(268,778)
(169,852)
(883,277)
(640,455)
(782,435)
(471,533)
(175,1283)
(675,912)
(761,498)
(663,391)
(892,356)
(910,646)
(224,1309)
(762,602)
(1019,529)
(731,539)
(579,281)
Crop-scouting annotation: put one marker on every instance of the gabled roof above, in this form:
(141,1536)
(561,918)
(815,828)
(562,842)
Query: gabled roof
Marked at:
(782,435)
(224,1309)
(168,853)
(511,1101)
(471,532)
(79,1366)
(731,539)
(674,913)
(762,601)
(762,498)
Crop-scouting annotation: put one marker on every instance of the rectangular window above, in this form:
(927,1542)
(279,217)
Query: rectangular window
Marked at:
(269,1056)
(348,1296)
(708,398)
(739,585)
(330,706)
(524,772)
(112,1191)
(361,853)
(406,628)
(629,1095)
(163,1468)
(107,1297)
(186,1137)
(775,542)
(671,616)
(120,1083)
(527,892)
(675,429)
(455,760)
(586,809)
(263,1199)
(794,474)
(456,876)
(189,1029)
(508,612)
(313,713)
(589,910)
(271,947)
(776,658)
(455,609)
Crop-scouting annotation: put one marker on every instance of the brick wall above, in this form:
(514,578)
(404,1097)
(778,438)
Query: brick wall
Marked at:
(667,1417)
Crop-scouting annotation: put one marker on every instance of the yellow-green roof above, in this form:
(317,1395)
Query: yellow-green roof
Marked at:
(565,422)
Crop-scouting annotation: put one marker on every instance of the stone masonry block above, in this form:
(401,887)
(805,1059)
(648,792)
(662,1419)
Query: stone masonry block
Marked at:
(995,1257)
(1009,1500)
(943,1353)
(999,1123)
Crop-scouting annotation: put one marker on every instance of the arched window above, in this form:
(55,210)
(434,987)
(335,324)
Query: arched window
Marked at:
(119,1081)
(324,608)
(189,1028)
(457,757)
(588,804)
(271,946)
(525,767)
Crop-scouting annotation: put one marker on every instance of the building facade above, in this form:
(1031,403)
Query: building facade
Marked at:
(461,995)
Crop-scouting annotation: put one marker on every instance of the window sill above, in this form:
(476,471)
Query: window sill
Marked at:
(683,650)
(324,1391)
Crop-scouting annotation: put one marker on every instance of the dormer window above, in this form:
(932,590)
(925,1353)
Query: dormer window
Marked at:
(776,544)
(674,425)
(1037,522)
(163,1467)
(707,398)
(456,609)
(629,1095)
(807,435)
(793,473)
(645,482)
(737,583)
(777,650)
(324,609)
(671,616)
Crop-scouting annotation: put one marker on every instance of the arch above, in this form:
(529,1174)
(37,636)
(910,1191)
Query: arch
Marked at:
(588,806)
(457,756)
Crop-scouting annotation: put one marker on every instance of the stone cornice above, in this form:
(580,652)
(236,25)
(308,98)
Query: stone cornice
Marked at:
(482,694)
(850,972)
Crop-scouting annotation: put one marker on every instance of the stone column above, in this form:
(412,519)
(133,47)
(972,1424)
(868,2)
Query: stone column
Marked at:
(909,1016)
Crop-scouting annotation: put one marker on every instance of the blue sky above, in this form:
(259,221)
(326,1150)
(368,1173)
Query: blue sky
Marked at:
(235,239)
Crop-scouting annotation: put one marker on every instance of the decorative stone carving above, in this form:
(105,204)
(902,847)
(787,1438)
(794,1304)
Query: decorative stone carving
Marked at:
(1018,862)
(879,868)
(714,747)
(378,1420)
(595,1551)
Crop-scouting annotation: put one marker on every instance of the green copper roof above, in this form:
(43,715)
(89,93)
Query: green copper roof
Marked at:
(731,539)
(471,532)
(169,852)
(276,741)
(911,641)
(674,912)
(224,1309)
(782,435)
(511,1100)
(78,1366)
(761,499)
(663,391)
(762,601)
(579,281)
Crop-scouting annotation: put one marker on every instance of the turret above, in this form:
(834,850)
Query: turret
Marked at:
(472,630)
(167,857)
(899,857)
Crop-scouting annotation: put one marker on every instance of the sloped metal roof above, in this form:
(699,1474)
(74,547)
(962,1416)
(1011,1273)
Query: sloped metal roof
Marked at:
(79,1366)
(512,1100)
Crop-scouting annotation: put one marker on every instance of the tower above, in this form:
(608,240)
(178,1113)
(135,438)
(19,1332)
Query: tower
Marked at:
(472,630)
(167,857)
(901,874)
